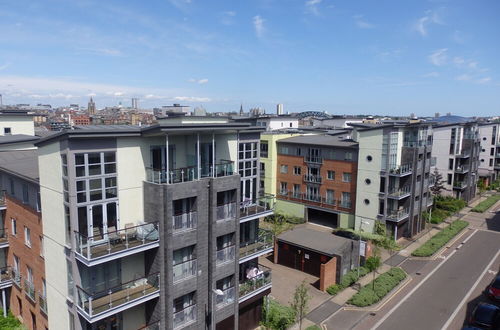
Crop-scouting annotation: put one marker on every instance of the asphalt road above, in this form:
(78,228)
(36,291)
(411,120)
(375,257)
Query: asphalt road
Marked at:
(435,301)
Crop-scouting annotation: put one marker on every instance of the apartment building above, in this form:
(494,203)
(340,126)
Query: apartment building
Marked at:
(456,148)
(316,179)
(22,266)
(16,122)
(393,176)
(155,227)
(489,156)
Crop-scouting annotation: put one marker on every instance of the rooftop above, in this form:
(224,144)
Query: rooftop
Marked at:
(16,138)
(21,163)
(321,140)
(316,240)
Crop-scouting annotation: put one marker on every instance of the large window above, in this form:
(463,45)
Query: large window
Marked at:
(346,177)
(264,149)
(27,236)
(97,163)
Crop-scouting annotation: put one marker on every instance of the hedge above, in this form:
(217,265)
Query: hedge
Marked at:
(347,280)
(444,207)
(486,204)
(440,239)
(374,291)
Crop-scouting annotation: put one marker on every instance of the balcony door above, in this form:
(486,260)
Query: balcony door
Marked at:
(248,190)
(206,160)
(159,158)
(97,221)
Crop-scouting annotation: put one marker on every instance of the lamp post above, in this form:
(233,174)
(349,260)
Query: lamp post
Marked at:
(215,292)
(359,242)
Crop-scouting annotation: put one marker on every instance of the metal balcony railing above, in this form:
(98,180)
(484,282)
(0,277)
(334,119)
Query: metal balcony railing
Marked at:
(258,206)
(401,170)
(312,178)
(398,215)
(29,289)
(185,270)
(226,211)
(225,255)
(4,236)
(117,241)
(184,317)
(42,301)
(226,298)
(252,285)
(314,159)
(15,276)
(5,274)
(185,221)
(95,303)
(399,193)
(191,173)
(264,241)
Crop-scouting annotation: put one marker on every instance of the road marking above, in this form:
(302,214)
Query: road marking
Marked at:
(491,271)
(447,324)
(468,238)
(382,320)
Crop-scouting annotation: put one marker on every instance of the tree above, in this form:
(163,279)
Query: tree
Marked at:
(481,185)
(438,183)
(373,263)
(300,302)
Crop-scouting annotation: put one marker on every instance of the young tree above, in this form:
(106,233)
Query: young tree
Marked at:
(481,185)
(373,263)
(300,302)
(438,183)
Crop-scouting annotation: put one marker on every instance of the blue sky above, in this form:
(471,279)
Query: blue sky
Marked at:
(343,57)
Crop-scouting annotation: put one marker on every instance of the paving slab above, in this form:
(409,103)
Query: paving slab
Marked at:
(322,312)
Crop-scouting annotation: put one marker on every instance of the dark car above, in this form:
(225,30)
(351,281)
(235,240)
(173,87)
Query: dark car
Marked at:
(494,289)
(485,316)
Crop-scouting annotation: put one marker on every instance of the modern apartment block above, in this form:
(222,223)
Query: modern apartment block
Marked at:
(456,149)
(22,267)
(489,156)
(393,176)
(155,227)
(316,179)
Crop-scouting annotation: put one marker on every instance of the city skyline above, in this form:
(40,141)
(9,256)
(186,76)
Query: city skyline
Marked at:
(389,58)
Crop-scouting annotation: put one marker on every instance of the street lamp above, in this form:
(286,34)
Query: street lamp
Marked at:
(217,292)
(359,242)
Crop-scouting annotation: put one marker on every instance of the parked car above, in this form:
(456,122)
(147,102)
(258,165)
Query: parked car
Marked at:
(486,316)
(494,289)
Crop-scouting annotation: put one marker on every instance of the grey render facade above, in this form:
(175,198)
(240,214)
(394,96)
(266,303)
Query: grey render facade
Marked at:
(456,149)
(393,176)
(155,227)
(489,156)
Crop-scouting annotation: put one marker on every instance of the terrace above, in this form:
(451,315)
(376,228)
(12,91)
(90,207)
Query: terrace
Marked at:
(256,208)
(256,284)
(253,249)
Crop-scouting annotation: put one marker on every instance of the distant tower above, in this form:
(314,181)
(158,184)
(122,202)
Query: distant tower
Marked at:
(436,115)
(279,109)
(91,107)
(1,101)
(134,103)
(241,110)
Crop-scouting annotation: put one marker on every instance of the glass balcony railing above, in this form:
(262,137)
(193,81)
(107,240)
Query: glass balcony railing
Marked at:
(226,254)
(264,241)
(463,154)
(257,207)
(398,215)
(459,184)
(226,298)
(184,270)
(4,236)
(42,301)
(312,178)
(399,193)
(226,211)
(185,221)
(93,304)
(191,173)
(462,169)
(401,170)
(252,285)
(114,242)
(184,317)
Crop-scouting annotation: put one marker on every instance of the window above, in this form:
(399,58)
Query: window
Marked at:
(184,263)
(17,264)
(492,151)
(346,177)
(298,152)
(27,236)
(283,188)
(11,184)
(38,202)
(450,164)
(184,310)
(13,223)
(96,163)
(227,287)
(264,149)
(67,224)
(296,190)
(70,282)
(297,170)
(283,150)
(7,130)
(26,198)
(330,196)
(284,169)
(348,155)
(449,178)
(41,247)
(346,199)
(491,161)
(369,158)
(330,175)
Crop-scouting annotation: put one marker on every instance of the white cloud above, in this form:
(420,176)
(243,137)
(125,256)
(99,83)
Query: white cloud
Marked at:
(433,74)
(422,24)
(191,99)
(484,80)
(439,57)
(103,51)
(4,66)
(463,77)
(458,60)
(227,17)
(258,23)
(312,6)
(361,23)
(199,81)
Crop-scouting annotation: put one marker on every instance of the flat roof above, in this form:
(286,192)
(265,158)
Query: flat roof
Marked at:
(321,140)
(20,163)
(319,241)
(17,138)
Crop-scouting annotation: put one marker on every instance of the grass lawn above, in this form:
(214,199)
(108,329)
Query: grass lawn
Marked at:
(486,204)
(440,239)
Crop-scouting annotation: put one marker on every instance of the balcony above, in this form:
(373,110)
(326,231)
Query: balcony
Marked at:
(255,284)
(4,238)
(463,154)
(256,208)
(16,277)
(414,143)
(99,305)
(459,185)
(185,270)
(117,244)
(5,277)
(226,211)
(185,317)
(311,178)
(263,245)
(29,289)
(314,159)
(184,222)
(191,173)
(3,204)
(402,170)
(462,169)
(42,301)
(399,193)
(225,255)
(225,299)
(397,216)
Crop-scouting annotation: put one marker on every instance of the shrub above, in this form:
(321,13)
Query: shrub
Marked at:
(277,316)
(334,289)
(440,239)
(10,322)
(313,327)
(486,204)
(347,280)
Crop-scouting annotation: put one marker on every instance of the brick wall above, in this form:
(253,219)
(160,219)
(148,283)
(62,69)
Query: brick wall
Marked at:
(20,305)
(328,274)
